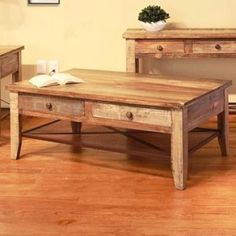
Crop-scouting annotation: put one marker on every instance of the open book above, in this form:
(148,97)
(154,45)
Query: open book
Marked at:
(54,79)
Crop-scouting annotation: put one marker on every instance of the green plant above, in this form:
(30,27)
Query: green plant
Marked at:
(153,14)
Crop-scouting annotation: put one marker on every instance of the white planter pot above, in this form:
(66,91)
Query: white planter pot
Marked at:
(154,26)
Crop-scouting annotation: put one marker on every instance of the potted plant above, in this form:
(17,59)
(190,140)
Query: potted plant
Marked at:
(153,18)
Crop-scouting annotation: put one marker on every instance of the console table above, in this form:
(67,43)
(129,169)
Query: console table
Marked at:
(179,43)
(157,103)
(10,62)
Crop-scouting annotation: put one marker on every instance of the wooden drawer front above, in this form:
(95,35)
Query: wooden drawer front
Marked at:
(222,46)
(159,47)
(9,65)
(65,107)
(132,114)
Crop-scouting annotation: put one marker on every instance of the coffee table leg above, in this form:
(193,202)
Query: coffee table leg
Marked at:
(179,148)
(76,127)
(15,121)
(223,127)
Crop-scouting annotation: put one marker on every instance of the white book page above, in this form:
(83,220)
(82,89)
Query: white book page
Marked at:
(65,78)
(43,81)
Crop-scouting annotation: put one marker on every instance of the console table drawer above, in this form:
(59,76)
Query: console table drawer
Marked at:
(219,46)
(9,65)
(159,47)
(54,106)
(149,116)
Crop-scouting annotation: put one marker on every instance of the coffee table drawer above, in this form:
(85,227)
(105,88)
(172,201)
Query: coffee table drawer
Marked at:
(218,46)
(57,106)
(159,47)
(149,116)
(9,65)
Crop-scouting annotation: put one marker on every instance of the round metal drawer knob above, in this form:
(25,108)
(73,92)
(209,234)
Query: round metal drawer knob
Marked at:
(218,47)
(49,106)
(160,48)
(130,115)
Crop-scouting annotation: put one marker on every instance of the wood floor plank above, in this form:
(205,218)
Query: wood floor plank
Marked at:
(57,190)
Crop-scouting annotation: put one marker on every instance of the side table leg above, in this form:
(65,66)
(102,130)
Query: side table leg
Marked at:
(15,121)
(223,127)
(131,63)
(179,148)
(76,127)
(17,76)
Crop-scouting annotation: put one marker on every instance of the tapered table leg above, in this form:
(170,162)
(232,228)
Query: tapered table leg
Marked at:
(15,121)
(223,127)
(76,127)
(179,148)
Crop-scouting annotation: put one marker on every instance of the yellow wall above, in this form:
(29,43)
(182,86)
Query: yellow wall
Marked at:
(88,34)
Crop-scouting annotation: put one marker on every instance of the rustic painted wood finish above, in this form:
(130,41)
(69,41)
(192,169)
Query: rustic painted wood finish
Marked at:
(179,43)
(128,100)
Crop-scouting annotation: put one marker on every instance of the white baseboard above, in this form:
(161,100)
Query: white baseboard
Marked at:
(232,98)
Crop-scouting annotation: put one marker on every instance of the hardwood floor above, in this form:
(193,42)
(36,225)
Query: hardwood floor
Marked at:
(55,189)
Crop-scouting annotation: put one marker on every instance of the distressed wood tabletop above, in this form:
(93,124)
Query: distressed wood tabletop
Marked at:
(131,88)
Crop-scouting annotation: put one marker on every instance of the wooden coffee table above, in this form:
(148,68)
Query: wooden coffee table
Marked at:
(157,103)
